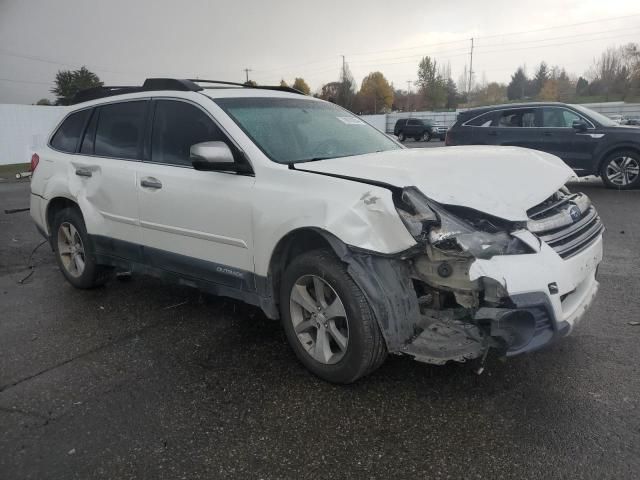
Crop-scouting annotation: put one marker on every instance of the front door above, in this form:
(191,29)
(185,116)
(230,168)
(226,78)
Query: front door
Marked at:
(196,224)
(574,147)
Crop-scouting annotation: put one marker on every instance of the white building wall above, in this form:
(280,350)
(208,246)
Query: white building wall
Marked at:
(24,128)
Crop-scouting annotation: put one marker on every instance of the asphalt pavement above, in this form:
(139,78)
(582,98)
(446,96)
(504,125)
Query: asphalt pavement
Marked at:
(142,379)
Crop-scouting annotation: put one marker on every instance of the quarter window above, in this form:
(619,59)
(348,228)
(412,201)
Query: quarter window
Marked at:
(67,136)
(517,118)
(176,127)
(482,121)
(90,134)
(559,117)
(120,130)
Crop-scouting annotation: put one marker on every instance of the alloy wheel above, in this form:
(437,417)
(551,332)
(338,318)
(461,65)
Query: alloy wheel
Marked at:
(623,170)
(319,319)
(71,249)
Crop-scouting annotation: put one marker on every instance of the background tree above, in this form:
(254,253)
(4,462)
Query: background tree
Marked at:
(300,84)
(431,84)
(69,82)
(518,85)
(539,79)
(44,101)
(347,89)
(582,86)
(283,83)
(250,83)
(375,95)
(330,91)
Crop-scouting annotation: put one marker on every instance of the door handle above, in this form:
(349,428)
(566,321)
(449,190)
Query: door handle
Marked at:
(150,182)
(83,172)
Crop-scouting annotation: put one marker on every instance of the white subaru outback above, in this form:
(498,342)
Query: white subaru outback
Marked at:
(360,246)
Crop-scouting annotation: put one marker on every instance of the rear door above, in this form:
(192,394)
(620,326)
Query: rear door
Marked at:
(194,223)
(413,128)
(515,127)
(103,174)
(477,130)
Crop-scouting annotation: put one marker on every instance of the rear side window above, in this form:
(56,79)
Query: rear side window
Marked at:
(482,121)
(176,127)
(120,130)
(68,134)
(517,118)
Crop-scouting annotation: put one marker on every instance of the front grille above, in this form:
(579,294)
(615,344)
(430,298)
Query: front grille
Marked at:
(567,223)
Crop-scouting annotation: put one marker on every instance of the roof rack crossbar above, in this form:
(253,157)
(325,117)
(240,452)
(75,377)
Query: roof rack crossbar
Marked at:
(244,85)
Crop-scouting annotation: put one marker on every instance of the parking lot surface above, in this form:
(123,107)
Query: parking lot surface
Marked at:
(142,379)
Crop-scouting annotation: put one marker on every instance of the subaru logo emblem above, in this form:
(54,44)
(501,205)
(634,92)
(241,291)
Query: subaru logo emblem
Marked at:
(575,213)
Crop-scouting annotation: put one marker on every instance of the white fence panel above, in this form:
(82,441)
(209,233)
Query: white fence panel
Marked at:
(24,128)
(377,121)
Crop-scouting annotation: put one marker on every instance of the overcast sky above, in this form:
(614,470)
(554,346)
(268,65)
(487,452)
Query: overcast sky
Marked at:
(126,41)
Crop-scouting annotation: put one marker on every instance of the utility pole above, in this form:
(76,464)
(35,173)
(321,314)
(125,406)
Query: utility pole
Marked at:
(246,71)
(470,71)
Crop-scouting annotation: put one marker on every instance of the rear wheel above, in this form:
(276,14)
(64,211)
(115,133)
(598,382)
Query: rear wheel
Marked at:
(621,170)
(74,250)
(401,137)
(327,319)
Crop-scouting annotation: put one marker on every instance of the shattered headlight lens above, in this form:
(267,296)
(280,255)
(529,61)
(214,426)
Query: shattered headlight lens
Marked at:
(428,221)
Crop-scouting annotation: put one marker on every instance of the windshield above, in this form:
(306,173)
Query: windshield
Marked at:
(598,117)
(291,130)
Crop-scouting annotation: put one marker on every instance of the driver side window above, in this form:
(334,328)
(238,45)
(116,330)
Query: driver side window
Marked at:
(176,127)
(553,117)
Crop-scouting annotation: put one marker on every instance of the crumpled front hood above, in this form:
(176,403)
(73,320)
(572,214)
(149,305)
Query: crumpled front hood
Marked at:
(502,181)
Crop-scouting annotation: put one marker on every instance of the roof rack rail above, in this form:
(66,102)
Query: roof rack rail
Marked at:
(153,84)
(244,85)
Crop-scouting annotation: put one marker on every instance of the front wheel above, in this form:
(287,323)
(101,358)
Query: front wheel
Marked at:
(621,170)
(327,319)
(426,137)
(401,137)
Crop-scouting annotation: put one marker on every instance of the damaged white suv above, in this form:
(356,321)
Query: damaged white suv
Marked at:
(360,246)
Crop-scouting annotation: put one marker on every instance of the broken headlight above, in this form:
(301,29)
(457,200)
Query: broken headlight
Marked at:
(429,222)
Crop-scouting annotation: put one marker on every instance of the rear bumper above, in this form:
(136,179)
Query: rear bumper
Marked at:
(37,210)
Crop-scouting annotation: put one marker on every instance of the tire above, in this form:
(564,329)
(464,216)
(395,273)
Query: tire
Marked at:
(401,137)
(621,170)
(77,260)
(365,348)
(426,137)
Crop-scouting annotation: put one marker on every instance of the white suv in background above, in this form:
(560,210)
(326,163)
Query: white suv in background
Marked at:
(360,246)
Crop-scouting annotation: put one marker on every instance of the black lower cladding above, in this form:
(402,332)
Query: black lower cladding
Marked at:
(546,327)
(208,276)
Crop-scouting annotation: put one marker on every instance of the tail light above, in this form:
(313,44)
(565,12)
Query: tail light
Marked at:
(35,160)
(448,139)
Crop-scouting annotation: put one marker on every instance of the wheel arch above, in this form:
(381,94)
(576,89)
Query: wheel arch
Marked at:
(294,243)
(616,148)
(54,206)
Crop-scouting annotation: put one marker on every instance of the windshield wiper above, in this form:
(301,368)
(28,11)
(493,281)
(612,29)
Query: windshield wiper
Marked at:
(314,159)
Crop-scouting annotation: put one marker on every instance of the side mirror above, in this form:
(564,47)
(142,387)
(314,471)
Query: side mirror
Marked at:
(579,125)
(214,156)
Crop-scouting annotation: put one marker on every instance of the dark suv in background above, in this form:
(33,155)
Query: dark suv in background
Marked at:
(590,143)
(418,129)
